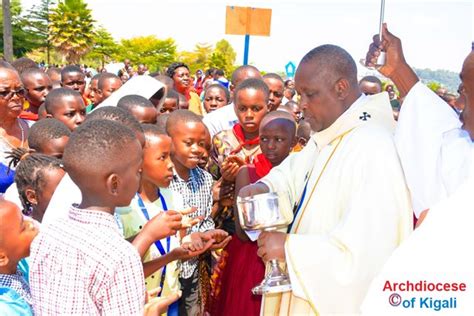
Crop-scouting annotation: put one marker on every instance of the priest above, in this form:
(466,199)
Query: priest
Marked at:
(437,154)
(433,144)
(434,254)
(352,206)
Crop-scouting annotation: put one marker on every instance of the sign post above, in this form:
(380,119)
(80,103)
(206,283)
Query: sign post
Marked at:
(246,49)
(247,21)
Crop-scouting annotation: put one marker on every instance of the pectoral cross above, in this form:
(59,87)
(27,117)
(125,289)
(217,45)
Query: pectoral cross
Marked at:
(364,116)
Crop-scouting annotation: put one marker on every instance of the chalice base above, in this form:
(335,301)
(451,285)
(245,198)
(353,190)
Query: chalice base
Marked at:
(276,281)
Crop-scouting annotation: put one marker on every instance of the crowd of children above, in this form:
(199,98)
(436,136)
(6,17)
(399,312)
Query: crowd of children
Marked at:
(111,203)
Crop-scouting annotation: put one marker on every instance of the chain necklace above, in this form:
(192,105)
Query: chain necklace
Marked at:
(22,136)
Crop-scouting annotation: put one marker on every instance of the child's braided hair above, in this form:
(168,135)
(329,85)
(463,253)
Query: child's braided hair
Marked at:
(30,167)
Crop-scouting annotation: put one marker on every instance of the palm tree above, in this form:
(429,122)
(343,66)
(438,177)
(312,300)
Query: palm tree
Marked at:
(71,29)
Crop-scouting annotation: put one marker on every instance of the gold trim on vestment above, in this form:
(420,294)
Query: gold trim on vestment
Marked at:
(308,298)
(319,177)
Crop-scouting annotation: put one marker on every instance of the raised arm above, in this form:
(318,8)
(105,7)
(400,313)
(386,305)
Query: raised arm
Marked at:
(395,68)
(433,149)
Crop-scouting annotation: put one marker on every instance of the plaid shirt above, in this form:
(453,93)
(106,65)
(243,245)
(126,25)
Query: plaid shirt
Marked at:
(197,191)
(82,265)
(17,283)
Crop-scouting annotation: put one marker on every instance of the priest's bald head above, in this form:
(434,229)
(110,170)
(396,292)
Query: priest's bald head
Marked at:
(326,80)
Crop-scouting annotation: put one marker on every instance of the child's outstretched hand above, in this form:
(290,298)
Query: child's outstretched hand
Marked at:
(216,190)
(186,221)
(193,248)
(193,240)
(160,226)
(158,305)
(221,238)
(236,159)
(152,294)
(163,225)
(229,170)
(227,190)
(230,167)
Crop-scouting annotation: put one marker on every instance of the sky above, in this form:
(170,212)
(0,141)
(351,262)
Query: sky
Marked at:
(435,34)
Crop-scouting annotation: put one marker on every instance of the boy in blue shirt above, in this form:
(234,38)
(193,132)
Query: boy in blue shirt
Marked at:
(16,234)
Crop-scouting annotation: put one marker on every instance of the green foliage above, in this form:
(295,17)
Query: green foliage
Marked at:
(197,59)
(149,50)
(37,21)
(445,78)
(223,57)
(15,10)
(37,18)
(24,39)
(72,29)
(68,32)
(204,56)
(104,46)
(433,85)
(40,54)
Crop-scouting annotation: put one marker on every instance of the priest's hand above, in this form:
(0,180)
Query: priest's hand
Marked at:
(271,245)
(395,67)
(253,189)
(392,46)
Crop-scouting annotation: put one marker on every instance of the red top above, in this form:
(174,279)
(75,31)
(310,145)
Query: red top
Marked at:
(262,166)
(239,134)
(30,116)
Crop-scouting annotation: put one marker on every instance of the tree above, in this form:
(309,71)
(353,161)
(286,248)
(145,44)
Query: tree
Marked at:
(205,56)
(72,29)
(223,57)
(198,58)
(434,85)
(7,31)
(104,46)
(148,50)
(37,20)
(448,79)
(24,40)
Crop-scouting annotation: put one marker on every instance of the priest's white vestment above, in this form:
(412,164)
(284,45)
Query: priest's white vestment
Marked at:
(355,212)
(434,150)
(438,252)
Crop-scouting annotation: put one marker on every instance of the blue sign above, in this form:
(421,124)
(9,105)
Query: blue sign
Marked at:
(290,70)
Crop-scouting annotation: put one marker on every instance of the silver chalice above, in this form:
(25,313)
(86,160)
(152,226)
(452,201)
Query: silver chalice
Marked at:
(267,212)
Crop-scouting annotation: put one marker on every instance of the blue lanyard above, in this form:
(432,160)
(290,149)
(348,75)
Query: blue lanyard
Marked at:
(300,204)
(157,243)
